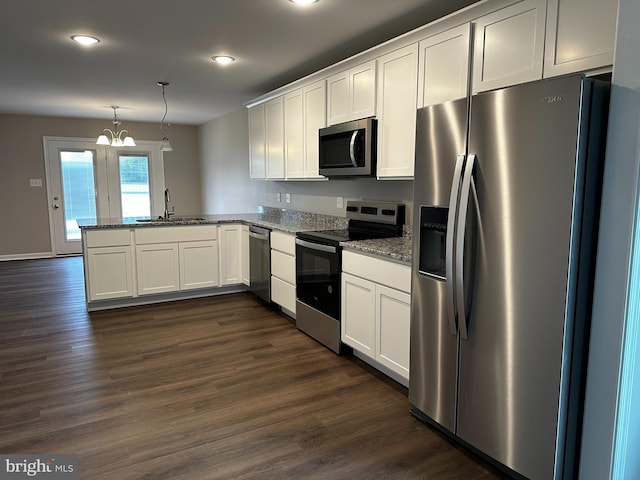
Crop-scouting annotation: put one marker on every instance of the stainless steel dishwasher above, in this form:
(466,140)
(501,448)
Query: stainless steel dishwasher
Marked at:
(260,262)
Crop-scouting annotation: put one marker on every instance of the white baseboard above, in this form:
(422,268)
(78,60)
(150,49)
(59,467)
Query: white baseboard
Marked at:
(26,256)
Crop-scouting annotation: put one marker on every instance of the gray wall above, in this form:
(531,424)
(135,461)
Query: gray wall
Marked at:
(226,186)
(25,214)
(613,324)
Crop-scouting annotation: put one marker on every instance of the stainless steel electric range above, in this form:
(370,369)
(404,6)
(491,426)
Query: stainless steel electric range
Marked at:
(319,265)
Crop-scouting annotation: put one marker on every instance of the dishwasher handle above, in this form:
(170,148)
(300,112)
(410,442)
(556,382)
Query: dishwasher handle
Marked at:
(259,232)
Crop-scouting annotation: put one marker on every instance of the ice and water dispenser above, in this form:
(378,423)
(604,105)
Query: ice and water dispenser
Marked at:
(433,241)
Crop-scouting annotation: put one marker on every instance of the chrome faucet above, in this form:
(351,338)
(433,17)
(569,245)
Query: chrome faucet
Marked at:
(167,199)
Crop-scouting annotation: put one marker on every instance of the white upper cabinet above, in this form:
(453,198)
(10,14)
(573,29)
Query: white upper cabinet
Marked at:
(257,163)
(580,35)
(304,115)
(274,137)
(294,134)
(315,118)
(443,71)
(397,102)
(352,94)
(509,46)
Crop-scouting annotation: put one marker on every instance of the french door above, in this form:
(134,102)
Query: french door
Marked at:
(90,181)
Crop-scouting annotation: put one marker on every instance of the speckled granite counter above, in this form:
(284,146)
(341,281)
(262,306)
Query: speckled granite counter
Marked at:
(290,221)
(398,248)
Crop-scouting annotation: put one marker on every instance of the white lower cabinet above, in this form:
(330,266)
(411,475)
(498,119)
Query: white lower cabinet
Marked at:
(246,270)
(376,310)
(199,265)
(157,268)
(110,272)
(231,272)
(283,270)
(170,259)
(108,264)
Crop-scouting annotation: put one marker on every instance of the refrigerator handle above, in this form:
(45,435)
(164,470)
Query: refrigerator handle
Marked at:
(467,178)
(450,242)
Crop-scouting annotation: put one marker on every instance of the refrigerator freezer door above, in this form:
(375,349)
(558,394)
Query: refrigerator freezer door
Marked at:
(511,366)
(441,137)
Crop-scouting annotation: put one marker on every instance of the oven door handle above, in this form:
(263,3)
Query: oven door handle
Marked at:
(316,246)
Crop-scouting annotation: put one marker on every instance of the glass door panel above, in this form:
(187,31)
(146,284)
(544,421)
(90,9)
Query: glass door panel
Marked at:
(78,190)
(135,194)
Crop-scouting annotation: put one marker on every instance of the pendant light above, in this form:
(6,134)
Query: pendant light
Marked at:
(116,139)
(165,145)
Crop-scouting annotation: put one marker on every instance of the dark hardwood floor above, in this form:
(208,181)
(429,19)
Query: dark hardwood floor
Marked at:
(215,388)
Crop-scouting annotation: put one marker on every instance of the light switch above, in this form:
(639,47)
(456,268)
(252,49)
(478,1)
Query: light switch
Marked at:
(340,202)
(278,197)
(35,182)
(287,197)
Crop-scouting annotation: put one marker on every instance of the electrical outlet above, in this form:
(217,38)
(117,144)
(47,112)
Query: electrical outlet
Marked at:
(278,197)
(35,182)
(287,197)
(340,202)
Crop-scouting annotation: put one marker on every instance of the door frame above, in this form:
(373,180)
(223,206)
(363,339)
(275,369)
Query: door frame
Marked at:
(107,188)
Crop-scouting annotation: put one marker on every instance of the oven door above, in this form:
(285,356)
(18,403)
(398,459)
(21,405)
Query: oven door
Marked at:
(318,276)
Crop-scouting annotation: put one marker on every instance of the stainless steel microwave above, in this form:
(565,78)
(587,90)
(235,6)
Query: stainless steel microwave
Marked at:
(348,149)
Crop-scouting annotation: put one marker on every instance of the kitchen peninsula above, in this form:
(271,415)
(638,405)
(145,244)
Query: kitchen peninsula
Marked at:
(137,261)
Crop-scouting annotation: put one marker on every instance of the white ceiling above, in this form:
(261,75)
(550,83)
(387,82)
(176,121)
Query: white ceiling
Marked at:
(144,41)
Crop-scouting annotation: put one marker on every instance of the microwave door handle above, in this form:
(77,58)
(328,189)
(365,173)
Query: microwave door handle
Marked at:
(467,180)
(352,148)
(450,243)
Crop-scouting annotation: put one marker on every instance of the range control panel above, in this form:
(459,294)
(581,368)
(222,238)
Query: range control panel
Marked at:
(372,211)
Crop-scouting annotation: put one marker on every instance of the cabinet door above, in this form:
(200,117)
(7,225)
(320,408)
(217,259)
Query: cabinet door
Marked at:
(338,98)
(245,255)
(294,134)
(509,46)
(443,72)
(580,35)
(315,118)
(158,268)
(257,161)
(362,90)
(392,325)
(199,265)
(397,101)
(109,272)
(230,239)
(274,121)
(358,314)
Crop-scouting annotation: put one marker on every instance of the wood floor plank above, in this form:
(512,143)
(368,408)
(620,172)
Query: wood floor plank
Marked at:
(212,388)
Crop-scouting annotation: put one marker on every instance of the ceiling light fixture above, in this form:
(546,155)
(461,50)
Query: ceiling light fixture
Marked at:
(223,59)
(85,39)
(165,145)
(116,136)
(303,2)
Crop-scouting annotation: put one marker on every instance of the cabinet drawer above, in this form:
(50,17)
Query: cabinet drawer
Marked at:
(283,266)
(183,233)
(283,293)
(384,272)
(283,242)
(115,237)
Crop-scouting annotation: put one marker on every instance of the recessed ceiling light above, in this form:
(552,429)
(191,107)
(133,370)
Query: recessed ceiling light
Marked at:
(85,39)
(303,2)
(223,59)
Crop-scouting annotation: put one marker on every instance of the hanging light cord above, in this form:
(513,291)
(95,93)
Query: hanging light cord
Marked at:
(166,108)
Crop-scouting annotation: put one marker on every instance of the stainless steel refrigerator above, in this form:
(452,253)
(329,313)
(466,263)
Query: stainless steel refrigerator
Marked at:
(506,201)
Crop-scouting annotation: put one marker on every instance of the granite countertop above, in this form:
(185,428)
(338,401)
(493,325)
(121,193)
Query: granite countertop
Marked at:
(290,221)
(397,248)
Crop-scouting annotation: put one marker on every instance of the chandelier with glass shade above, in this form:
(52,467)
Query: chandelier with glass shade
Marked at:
(165,145)
(119,138)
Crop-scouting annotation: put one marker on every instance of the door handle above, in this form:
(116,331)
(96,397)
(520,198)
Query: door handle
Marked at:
(450,242)
(460,235)
(352,148)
